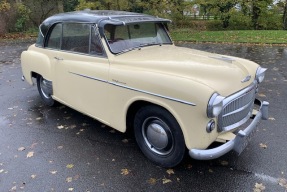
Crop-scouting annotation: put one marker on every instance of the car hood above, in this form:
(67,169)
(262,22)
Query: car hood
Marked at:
(223,74)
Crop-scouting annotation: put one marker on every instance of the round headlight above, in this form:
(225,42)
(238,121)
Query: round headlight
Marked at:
(260,74)
(215,105)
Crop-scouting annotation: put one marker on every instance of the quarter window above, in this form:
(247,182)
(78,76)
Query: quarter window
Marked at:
(54,41)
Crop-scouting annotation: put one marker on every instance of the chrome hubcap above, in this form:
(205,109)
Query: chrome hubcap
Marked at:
(157,136)
(44,88)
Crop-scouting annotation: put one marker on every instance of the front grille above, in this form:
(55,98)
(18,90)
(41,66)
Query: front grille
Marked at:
(237,110)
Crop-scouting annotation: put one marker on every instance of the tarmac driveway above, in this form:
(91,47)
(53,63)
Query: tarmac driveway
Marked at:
(59,149)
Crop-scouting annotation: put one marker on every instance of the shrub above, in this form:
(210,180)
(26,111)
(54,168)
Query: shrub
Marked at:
(22,17)
(239,21)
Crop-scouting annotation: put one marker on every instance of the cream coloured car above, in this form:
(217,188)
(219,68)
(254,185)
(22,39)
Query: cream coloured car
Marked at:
(122,69)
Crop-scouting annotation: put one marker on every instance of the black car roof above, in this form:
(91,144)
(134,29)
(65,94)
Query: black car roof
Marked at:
(100,17)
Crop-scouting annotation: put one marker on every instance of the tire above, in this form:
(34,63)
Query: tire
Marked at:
(159,136)
(43,91)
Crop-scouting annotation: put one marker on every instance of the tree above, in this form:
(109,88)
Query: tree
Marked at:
(224,7)
(220,8)
(285,15)
(70,5)
(39,10)
(259,7)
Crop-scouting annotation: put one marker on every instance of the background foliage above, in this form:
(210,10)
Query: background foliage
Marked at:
(22,15)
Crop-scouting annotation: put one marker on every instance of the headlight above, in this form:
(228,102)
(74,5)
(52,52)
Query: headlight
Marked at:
(215,105)
(260,74)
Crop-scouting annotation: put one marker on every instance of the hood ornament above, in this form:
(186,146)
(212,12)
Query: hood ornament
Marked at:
(246,79)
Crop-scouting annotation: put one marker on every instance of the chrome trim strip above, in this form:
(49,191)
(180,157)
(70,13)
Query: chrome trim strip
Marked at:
(153,94)
(89,77)
(133,89)
(236,95)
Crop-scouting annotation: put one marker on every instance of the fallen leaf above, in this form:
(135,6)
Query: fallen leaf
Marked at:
(38,118)
(165,181)
(69,179)
(283,183)
(71,189)
(21,148)
(258,187)
(112,131)
(60,127)
(170,171)
(60,147)
(261,95)
(70,166)
(73,126)
(271,118)
(62,107)
(264,146)
(33,176)
(33,145)
(152,181)
(2,170)
(81,130)
(189,166)
(125,141)
(13,188)
(76,177)
(125,172)
(53,172)
(224,163)
(30,154)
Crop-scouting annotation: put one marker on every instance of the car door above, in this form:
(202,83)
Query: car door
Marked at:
(81,73)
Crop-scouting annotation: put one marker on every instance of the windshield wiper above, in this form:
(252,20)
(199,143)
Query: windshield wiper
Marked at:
(149,44)
(137,47)
(126,50)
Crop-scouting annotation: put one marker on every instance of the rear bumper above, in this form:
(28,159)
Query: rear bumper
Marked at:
(239,143)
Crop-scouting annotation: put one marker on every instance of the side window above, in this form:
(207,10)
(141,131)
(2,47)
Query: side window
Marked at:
(54,41)
(96,45)
(76,37)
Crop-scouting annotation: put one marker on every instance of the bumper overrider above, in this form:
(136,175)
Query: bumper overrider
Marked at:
(241,140)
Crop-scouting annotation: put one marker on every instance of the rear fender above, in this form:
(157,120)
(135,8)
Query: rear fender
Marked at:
(32,61)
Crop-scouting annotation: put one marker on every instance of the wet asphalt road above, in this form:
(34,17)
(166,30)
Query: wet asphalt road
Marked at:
(59,149)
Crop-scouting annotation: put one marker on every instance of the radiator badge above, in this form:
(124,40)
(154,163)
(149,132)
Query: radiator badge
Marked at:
(246,79)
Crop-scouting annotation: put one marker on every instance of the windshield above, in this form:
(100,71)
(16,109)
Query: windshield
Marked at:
(128,37)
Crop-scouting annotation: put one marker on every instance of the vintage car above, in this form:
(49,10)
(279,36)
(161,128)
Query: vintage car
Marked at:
(123,69)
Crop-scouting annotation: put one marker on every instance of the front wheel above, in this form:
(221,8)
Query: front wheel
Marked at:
(45,90)
(159,136)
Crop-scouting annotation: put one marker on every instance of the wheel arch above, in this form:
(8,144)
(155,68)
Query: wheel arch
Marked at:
(138,104)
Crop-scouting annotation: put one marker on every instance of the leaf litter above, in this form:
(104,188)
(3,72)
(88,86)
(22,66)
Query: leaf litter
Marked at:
(259,187)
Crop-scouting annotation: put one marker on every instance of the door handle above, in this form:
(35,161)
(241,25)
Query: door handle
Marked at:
(59,59)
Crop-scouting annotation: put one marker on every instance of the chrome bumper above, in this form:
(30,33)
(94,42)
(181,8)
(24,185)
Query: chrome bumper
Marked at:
(239,143)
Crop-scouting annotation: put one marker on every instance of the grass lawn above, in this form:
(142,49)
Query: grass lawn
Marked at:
(241,36)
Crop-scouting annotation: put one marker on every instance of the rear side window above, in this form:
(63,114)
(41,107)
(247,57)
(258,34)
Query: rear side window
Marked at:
(54,41)
(76,37)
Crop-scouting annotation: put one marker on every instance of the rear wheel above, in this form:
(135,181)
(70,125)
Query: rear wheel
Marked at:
(159,136)
(45,90)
